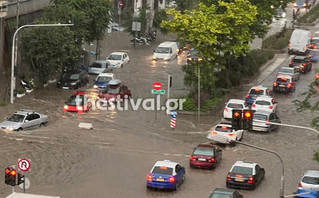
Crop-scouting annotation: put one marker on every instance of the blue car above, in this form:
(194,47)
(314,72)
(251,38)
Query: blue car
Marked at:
(314,55)
(301,4)
(256,91)
(166,175)
(102,80)
(302,193)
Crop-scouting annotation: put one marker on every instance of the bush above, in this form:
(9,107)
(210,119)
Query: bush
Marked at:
(189,104)
(278,41)
(310,16)
(3,104)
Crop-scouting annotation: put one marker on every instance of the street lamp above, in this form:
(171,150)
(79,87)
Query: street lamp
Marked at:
(13,51)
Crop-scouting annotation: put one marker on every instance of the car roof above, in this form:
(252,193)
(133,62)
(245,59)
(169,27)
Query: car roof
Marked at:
(118,53)
(230,191)
(262,112)
(283,76)
(206,145)
(312,173)
(166,163)
(100,61)
(267,98)
(115,82)
(166,44)
(245,164)
(106,74)
(24,111)
(259,87)
(300,57)
(236,101)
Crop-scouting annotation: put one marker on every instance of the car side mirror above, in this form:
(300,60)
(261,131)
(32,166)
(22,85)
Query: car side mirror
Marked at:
(26,121)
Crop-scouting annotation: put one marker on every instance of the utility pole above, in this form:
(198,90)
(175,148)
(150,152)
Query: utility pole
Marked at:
(198,97)
(17,26)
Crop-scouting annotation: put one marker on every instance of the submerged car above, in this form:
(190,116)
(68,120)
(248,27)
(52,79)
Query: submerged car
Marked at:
(233,104)
(205,156)
(310,180)
(225,193)
(114,91)
(77,103)
(256,91)
(265,116)
(23,119)
(284,83)
(99,66)
(73,80)
(102,80)
(226,130)
(118,59)
(291,71)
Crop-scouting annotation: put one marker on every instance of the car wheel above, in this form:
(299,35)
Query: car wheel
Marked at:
(20,129)
(176,186)
(42,124)
(269,130)
(241,138)
(122,66)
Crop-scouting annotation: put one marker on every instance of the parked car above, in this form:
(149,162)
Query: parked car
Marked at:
(265,103)
(289,71)
(118,59)
(299,42)
(225,193)
(266,117)
(73,80)
(226,130)
(315,35)
(23,119)
(102,80)
(245,175)
(115,90)
(78,103)
(284,83)
(302,193)
(205,156)
(256,91)
(310,180)
(233,104)
(301,4)
(166,175)
(99,66)
(303,62)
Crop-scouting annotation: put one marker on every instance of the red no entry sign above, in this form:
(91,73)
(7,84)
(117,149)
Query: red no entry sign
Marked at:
(157,85)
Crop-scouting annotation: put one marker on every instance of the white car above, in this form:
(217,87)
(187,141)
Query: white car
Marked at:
(310,181)
(118,59)
(265,103)
(315,35)
(233,104)
(225,130)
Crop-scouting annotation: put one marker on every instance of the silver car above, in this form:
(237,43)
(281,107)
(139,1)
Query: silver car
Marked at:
(265,116)
(310,180)
(99,66)
(24,119)
(291,71)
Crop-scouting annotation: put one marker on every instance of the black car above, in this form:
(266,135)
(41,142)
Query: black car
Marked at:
(284,84)
(192,56)
(73,80)
(314,44)
(303,62)
(225,193)
(245,175)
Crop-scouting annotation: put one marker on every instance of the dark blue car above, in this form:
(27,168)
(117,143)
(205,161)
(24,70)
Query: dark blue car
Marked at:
(103,80)
(302,193)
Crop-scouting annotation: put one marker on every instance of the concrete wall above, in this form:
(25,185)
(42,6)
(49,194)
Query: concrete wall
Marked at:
(26,6)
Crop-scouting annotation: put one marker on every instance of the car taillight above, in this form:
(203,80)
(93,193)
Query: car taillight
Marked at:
(289,85)
(289,45)
(228,178)
(317,76)
(304,64)
(214,132)
(277,75)
(66,106)
(149,177)
(315,47)
(275,84)
(290,63)
(212,160)
(192,158)
(254,105)
(250,180)
(171,179)
(226,109)
(267,121)
(231,135)
(299,185)
(270,107)
(247,95)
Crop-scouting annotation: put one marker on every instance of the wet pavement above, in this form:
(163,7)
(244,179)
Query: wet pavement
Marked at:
(113,159)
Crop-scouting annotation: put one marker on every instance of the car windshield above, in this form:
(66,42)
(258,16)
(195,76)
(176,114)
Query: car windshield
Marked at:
(97,65)
(162,170)
(114,90)
(262,102)
(219,195)
(310,180)
(72,100)
(298,60)
(162,50)
(284,80)
(115,57)
(235,106)
(204,151)
(260,117)
(286,71)
(74,76)
(104,79)
(315,41)
(223,129)
(242,170)
(16,118)
(256,92)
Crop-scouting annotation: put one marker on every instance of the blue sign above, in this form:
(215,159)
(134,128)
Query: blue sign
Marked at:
(173,114)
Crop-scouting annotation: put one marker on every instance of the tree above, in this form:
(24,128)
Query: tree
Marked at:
(159,16)
(183,5)
(142,18)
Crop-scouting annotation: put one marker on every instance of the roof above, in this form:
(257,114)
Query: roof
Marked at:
(24,111)
(100,61)
(120,53)
(106,74)
(25,195)
(166,163)
(291,68)
(167,43)
(115,82)
(236,101)
(245,164)
(312,173)
(224,190)
(259,87)
(206,145)
(299,57)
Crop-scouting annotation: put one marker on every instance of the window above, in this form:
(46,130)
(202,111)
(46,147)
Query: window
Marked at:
(310,180)
(178,168)
(74,76)
(16,118)
(272,117)
(220,195)
(257,169)
(162,50)
(242,170)
(235,106)
(256,92)
(96,65)
(262,102)
(115,57)
(170,50)
(162,170)
(204,151)
(260,117)
(223,129)
(29,117)
(36,116)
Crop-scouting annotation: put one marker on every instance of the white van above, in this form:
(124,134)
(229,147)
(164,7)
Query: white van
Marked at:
(166,51)
(299,41)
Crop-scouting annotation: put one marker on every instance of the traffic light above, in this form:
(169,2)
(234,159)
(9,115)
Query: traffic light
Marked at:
(10,176)
(120,5)
(20,179)
(248,120)
(236,119)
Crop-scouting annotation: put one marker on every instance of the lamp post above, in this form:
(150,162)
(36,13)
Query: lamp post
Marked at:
(13,51)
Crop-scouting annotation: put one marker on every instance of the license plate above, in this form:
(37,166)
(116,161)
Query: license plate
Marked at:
(65,87)
(160,179)
(281,85)
(202,159)
(239,180)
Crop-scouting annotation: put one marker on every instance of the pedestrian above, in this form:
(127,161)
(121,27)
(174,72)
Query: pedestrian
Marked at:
(298,12)
(293,14)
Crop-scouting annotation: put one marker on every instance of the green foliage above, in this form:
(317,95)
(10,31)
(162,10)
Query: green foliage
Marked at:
(21,91)
(3,104)
(311,16)
(277,41)
(191,105)
(316,156)
(159,16)
(183,5)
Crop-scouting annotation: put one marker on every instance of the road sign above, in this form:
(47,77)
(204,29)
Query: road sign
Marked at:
(173,114)
(159,92)
(136,26)
(157,85)
(173,123)
(26,183)
(24,164)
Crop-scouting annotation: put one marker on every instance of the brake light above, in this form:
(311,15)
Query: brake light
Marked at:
(317,76)
(66,106)
(289,85)
(231,135)
(270,107)
(212,160)
(254,105)
(267,121)
(275,84)
(289,45)
(299,185)
(228,178)
(277,75)
(304,64)
(226,109)
(224,127)
(149,177)
(315,47)
(250,180)
(247,95)
(171,179)
(192,158)
(290,63)
(214,132)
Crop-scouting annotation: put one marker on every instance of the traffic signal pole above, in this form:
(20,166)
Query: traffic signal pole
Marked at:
(289,125)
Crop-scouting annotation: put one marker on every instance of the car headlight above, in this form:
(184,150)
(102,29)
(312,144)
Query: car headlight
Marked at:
(73,83)
(95,86)
(59,82)
(154,57)
(80,108)
(10,128)
(165,58)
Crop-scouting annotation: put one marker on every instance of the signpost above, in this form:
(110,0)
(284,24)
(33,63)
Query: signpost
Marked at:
(173,120)
(157,90)
(136,27)
(24,166)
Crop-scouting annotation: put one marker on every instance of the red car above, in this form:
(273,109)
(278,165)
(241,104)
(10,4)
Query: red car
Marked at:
(317,79)
(205,156)
(114,90)
(72,106)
